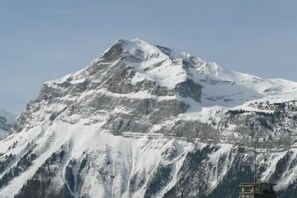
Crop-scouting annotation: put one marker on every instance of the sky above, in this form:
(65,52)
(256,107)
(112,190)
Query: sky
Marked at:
(45,40)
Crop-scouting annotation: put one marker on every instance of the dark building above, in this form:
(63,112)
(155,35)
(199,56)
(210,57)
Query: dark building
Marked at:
(257,190)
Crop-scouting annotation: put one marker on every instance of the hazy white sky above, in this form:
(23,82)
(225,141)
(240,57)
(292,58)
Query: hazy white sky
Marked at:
(44,40)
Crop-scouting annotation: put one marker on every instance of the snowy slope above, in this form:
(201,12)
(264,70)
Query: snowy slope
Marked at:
(148,121)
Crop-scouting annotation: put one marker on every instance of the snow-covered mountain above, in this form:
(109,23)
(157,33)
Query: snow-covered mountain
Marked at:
(148,121)
(6,120)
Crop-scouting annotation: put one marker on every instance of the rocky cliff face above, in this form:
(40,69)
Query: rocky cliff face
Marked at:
(148,121)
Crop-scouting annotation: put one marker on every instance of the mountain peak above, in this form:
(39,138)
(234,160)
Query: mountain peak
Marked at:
(134,41)
(7,115)
(137,61)
(135,50)
(140,116)
(137,46)
(6,120)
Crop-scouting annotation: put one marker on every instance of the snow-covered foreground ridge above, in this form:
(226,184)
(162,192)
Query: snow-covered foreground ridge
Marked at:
(148,121)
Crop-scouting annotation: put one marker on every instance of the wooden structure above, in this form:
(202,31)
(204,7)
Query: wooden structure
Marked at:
(257,190)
